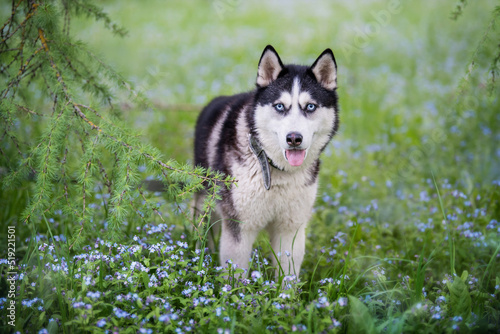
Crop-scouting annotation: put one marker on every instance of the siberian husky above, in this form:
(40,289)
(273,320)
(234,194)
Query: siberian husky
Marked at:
(269,140)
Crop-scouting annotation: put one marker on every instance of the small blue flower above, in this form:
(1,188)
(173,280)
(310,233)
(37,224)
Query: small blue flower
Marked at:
(94,295)
(342,301)
(121,313)
(256,275)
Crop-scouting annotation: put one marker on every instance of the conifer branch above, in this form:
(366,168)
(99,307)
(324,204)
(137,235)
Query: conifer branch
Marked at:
(145,154)
(84,191)
(63,173)
(26,109)
(155,210)
(29,15)
(207,206)
(42,57)
(10,19)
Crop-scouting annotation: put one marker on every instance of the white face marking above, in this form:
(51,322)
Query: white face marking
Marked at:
(295,93)
(304,99)
(273,126)
(286,99)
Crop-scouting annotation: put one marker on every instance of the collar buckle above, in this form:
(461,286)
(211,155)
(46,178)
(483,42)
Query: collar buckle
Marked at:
(261,155)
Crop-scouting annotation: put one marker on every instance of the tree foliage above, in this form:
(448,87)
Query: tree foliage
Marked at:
(486,41)
(60,130)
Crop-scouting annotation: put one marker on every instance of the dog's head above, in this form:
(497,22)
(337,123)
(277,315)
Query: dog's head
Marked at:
(296,111)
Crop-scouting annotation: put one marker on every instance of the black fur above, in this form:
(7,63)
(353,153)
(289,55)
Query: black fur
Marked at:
(246,102)
(208,118)
(313,172)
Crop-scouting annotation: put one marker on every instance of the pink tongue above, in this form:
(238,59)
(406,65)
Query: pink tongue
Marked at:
(295,157)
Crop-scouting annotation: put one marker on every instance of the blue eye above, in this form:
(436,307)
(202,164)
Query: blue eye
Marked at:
(311,107)
(280,107)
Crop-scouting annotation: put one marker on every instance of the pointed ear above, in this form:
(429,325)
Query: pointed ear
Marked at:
(270,66)
(325,70)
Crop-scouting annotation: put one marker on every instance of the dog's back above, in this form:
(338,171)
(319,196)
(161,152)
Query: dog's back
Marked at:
(215,129)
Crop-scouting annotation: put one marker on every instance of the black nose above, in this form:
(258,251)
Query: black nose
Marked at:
(294,139)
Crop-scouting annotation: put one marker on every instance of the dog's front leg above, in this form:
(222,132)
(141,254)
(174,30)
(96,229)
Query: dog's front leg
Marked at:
(289,246)
(236,244)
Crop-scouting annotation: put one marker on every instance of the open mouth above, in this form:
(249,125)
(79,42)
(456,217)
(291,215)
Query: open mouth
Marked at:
(295,157)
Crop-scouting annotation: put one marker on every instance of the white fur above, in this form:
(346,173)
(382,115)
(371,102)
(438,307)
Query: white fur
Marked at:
(268,209)
(214,137)
(286,207)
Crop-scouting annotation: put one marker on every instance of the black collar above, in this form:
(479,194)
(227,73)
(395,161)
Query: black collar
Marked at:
(263,159)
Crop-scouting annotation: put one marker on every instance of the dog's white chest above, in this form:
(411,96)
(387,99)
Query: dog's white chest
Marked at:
(289,200)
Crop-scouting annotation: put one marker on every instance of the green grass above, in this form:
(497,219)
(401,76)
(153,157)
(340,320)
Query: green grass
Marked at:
(405,232)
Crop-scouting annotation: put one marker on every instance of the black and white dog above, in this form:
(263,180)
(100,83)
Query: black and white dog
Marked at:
(269,140)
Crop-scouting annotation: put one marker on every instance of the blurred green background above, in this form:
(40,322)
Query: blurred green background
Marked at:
(400,63)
